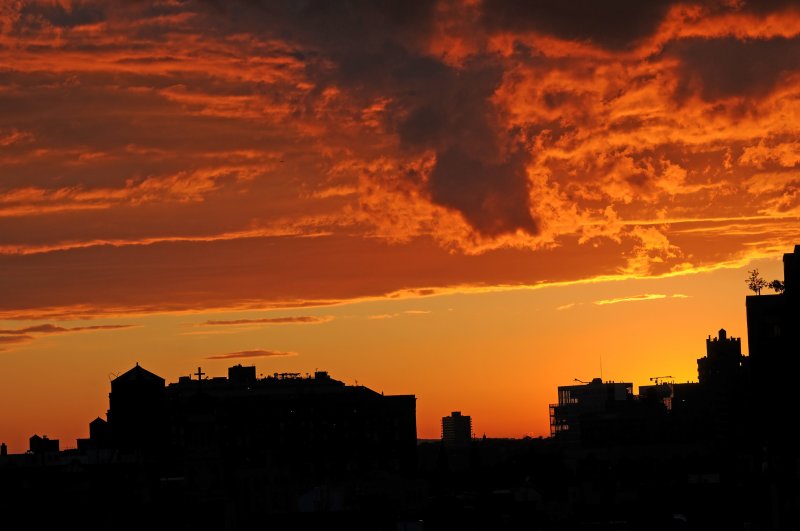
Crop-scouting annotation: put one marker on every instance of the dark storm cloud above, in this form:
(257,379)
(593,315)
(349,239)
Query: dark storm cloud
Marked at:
(728,67)
(374,50)
(167,122)
(612,24)
(332,24)
(56,14)
(492,197)
(479,170)
(760,7)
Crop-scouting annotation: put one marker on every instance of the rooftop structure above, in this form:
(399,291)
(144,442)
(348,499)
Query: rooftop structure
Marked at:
(723,360)
(580,403)
(136,409)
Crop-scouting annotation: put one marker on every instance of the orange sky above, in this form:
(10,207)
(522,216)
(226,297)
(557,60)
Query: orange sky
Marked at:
(427,197)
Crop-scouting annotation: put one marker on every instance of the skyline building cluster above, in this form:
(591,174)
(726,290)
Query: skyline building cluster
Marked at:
(731,428)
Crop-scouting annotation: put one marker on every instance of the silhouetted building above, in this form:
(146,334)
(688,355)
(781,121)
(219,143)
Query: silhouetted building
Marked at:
(687,398)
(136,412)
(308,426)
(267,443)
(42,445)
(99,436)
(773,321)
(98,431)
(773,336)
(726,389)
(242,413)
(284,441)
(660,393)
(456,430)
(723,361)
(584,411)
(239,375)
(220,453)
(3,450)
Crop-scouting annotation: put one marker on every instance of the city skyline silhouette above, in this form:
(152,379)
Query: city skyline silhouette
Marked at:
(487,190)
(559,225)
(304,449)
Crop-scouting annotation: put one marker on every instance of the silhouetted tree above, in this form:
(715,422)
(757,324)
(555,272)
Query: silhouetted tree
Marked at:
(755,282)
(777,286)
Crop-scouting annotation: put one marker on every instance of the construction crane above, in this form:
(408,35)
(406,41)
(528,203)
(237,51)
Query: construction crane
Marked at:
(657,379)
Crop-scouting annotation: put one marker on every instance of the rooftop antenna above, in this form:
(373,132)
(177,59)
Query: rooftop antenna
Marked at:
(581,381)
(601,366)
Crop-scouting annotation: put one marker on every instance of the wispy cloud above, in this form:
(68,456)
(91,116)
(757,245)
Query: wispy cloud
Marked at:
(251,354)
(644,297)
(13,340)
(54,329)
(10,336)
(9,138)
(300,319)
(566,306)
(382,316)
(4,340)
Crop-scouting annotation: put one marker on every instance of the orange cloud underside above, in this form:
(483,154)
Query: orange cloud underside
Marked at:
(177,157)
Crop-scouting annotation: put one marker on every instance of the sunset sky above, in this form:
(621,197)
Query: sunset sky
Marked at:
(473,202)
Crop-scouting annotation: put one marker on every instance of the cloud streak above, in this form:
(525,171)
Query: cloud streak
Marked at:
(638,298)
(5,340)
(246,354)
(11,336)
(383,316)
(299,319)
(54,329)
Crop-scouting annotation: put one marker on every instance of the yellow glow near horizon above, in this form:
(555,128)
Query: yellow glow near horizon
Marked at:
(495,355)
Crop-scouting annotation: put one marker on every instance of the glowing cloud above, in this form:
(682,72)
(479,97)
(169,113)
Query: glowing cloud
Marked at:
(496,128)
(635,298)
